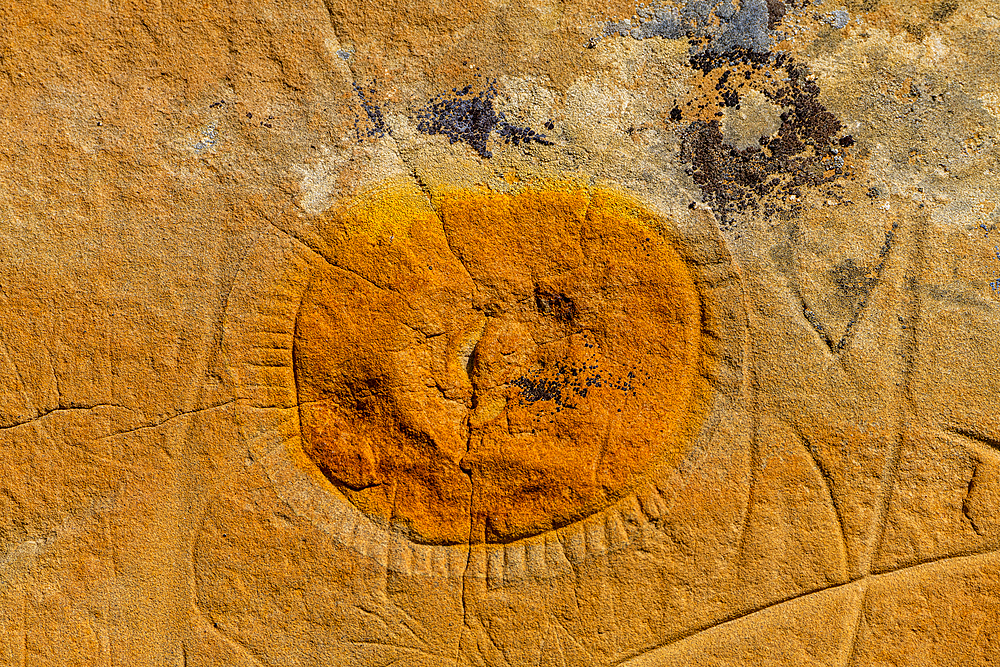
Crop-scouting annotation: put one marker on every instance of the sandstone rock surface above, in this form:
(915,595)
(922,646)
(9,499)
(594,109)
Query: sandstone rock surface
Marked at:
(491,333)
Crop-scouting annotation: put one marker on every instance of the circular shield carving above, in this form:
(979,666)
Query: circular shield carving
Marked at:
(488,369)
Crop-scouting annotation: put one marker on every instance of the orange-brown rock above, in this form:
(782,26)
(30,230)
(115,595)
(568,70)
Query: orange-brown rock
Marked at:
(518,382)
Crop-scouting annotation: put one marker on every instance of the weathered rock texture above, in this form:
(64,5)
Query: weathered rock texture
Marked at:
(486,333)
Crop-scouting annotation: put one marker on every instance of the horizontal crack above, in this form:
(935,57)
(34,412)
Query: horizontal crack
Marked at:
(59,409)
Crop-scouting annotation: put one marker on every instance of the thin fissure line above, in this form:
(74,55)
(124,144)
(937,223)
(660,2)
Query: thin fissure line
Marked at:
(859,616)
(465,575)
(319,253)
(399,152)
(173,417)
(219,335)
(294,352)
(46,413)
(907,403)
(426,190)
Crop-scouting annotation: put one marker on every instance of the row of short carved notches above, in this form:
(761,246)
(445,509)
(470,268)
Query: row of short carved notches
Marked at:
(541,556)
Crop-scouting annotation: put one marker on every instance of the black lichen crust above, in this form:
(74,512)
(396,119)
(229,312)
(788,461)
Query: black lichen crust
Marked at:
(707,60)
(739,38)
(562,385)
(807,151)
(472,119)
(376,127)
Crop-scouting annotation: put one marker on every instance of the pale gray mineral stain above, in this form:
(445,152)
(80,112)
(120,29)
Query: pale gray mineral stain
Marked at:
(837,18)
(714,27)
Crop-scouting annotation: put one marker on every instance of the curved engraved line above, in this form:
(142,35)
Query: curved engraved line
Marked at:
(983,445)
(826,477)
(245,329)
(336,516)
(345,529)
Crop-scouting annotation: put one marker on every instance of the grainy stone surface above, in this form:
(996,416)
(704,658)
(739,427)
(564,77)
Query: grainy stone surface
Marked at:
(318,319)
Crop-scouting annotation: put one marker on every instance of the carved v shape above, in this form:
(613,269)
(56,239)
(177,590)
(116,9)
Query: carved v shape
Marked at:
(853,281)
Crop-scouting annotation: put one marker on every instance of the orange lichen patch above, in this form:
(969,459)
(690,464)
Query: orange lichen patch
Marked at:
(522,380)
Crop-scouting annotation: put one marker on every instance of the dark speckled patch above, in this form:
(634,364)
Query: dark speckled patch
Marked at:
(472,119)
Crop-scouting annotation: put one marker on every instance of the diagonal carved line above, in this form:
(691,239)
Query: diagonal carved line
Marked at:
(754,473)
(732,618)
(336,33)
(883,256)
(907,401)
(817,324)
(399,153)
(983,444)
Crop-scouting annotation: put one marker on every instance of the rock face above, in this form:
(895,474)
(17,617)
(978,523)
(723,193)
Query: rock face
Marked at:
(487,333)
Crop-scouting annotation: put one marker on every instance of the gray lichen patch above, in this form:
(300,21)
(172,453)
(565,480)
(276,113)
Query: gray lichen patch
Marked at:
(715,27)
(837,18)
(746,29)
(208,138)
